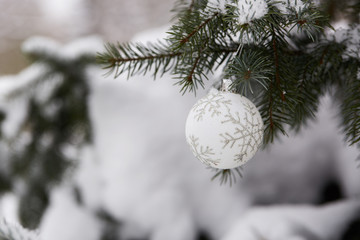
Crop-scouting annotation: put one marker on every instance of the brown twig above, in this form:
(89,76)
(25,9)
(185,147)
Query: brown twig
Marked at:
(190,76)
(187,38)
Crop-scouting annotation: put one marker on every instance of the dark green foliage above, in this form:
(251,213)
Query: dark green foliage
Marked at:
(248,69)
(33,202)
(54,125)
(110,226)
(228,175)
(138,58)
(191,51)
(283,61)
(351,105)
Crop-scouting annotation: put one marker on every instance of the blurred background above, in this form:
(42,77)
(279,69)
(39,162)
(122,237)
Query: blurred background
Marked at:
(85,156)
(70,19)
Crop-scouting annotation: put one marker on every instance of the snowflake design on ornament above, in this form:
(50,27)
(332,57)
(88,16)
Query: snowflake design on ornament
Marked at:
(247,135)
(204,154)
(239,157)
(212,103)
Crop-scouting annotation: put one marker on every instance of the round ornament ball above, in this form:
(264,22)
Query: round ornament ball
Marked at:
(224,129)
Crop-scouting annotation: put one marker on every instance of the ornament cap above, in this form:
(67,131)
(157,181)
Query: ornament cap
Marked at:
(225,85)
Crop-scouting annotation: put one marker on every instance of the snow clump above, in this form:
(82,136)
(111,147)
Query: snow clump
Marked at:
(286,6)
(350,37)
(16,232)
(249,10)
(218,4)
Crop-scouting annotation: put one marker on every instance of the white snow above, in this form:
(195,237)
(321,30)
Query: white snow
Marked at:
(13,98)
(67,220)
(15,108)
(286,6)
(82,46)
(249,10)
(9,205)
(350,36)
(294,222)
(14,231)
(40,44)
(218,4)
(87,178)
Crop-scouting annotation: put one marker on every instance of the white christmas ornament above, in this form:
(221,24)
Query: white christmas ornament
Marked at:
(224,129)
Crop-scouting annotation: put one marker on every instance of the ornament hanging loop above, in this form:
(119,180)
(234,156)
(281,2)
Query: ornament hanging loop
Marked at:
(226,85)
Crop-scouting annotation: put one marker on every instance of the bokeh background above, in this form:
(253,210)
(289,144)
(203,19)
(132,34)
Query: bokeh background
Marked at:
(70,19)
(87,156)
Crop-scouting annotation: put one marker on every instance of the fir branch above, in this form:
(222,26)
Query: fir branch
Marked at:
(309,87)
(192,76)
(309,20)
(248,70)
(202,25)
(227,175)
(285,73)
(138,58)
(196,29)
(276,61)
(350,107)
(192,70)
(184,7)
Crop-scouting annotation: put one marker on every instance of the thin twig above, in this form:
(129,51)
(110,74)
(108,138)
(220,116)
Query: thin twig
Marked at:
(114,61)
(187,38)
(190,76)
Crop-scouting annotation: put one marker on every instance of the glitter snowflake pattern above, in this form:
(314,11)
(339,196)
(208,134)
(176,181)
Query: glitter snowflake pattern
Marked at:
(204,154)
(212,104)
(247,135)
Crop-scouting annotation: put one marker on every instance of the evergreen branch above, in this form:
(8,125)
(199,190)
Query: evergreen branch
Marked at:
(192,71)
(196,29)
(202,25)
(276,60)
(274,113)
(189,82)
(227,175)
(138,58)
(191,6)
(248,70)
(191,67)
(183,7)
(284,73)
(309,20)
(310,83)
(350,107)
